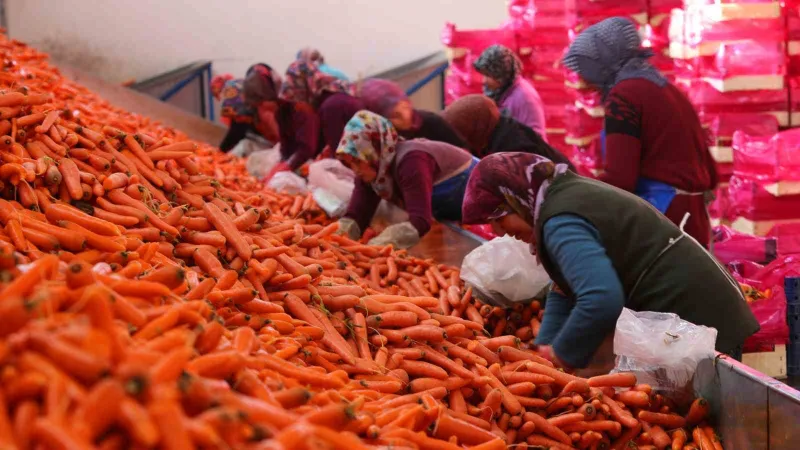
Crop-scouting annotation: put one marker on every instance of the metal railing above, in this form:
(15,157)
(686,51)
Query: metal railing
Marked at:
(187,87)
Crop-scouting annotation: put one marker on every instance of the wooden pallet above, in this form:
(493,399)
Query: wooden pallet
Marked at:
(772,363)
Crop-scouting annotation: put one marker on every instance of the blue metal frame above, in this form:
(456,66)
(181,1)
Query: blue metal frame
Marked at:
(437,72)
(208,103)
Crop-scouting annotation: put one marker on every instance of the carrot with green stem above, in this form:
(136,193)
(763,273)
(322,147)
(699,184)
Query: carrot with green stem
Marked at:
(225,225)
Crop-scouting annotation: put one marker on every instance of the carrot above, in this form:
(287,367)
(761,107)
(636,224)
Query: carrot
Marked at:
(69,172)
(623,379)
(679,439)
(138,423)
(392,319)
(701,439)
(54,435)
(100,408)
(466,433)
(223,223)
(167,416)
(547,428)
(115,181)
(698,411)
(668,421)
(634,399)
(425,333)
(57,212)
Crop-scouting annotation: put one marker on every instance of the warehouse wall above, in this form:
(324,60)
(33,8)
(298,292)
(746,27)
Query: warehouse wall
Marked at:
(122,39)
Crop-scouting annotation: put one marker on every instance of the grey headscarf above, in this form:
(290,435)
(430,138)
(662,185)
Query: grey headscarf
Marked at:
(609,52)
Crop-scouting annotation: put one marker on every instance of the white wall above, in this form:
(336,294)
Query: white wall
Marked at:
(122,39)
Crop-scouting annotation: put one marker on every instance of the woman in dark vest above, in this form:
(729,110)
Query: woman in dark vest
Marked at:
(478,120)
(604,249)
(249,105)
(426,178)
(655,145)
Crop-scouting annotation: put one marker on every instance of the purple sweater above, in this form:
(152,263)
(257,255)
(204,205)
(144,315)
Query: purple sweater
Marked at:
(523,103)
(419,165)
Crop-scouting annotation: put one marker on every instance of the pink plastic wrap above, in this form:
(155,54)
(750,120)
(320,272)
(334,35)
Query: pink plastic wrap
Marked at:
(744,58)
(708,100)
(484,231)
(699,29)
(770,311)
(723,126)
(749,199)
(788,237)
(522,15)
(724,172)
(730,245)
(719,208)
(581,125)
(767,158)
(476,41)
(587,156)
(594,11)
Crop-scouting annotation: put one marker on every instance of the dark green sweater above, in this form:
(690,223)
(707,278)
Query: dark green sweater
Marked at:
(660,268)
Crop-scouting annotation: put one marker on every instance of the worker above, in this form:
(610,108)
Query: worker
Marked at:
(311,105)
(604,249)
(427,178)
(217,85)
(478,120)
(312,55)
(655,145)
(253,114)
(514,95)
(388,99)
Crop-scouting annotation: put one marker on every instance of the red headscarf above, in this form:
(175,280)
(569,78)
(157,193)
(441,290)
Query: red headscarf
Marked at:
(508,183)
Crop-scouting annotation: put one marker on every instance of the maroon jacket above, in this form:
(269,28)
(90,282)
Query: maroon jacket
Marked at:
(654,132)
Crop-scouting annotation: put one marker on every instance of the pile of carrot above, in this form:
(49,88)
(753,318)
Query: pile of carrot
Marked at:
(154,295)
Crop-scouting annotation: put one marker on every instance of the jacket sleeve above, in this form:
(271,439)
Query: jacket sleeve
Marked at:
(306,138)
(363,204)
(414,177)
(236,133)
(623,145)
(574,246)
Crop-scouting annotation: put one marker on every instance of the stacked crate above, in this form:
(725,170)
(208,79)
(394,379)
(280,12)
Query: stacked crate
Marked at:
(730,59)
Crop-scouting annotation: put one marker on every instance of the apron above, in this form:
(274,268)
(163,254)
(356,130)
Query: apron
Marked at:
(448,195)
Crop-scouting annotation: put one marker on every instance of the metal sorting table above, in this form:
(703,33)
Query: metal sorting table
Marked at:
(751,410)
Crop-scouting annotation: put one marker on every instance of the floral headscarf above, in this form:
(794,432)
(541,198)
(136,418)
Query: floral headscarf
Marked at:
(609,52)
(217,83)
(304,82)
(261,84)
(474,117)
(372,138)
(502,64)
(506,183)
(310,55)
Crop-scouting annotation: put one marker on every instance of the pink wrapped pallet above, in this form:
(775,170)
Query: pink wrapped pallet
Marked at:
(522,15)
(721,128)
(582,128)
(476,41)
(750,203)
(731,245)
(585,13)
(774,158)
(709,101)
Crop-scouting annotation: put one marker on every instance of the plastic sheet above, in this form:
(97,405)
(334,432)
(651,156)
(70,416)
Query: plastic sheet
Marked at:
(787,236)
(749,199)
(662,350)
(581,127)
(711,101)
(723,126)
(771,311)
(767,158)
(730,246)
(477,41)
(503,272)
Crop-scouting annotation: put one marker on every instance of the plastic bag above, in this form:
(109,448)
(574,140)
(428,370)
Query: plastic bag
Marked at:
(503,272)
(288,182)
(730,245)
(260,163)
(662,350)
(248,146)
(331,184)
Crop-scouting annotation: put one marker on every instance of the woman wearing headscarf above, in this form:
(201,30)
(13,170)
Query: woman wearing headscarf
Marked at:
(312,55)
(312,111)
(388,99)
(604,249)
(478,120)
(249,105)
(655,145)
(514,95)
(426,178)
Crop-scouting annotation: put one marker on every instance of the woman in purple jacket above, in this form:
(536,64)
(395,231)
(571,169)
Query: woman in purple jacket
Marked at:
(503,82)
(426,178)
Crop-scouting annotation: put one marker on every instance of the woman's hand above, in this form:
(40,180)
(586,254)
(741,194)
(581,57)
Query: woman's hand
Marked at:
(546,352)
(280,167)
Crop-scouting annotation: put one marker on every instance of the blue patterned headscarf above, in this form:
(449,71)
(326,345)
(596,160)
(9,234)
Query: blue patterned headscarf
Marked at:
(502,64)
(609,52)
(373,139)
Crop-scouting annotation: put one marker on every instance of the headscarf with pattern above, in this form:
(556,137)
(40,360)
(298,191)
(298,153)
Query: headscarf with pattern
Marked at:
(474,117)
(381,96)
(217,83)
(261,84)
(508,183)
(371,138)
(609,52)
(310,55)
(502,64)
(304,82)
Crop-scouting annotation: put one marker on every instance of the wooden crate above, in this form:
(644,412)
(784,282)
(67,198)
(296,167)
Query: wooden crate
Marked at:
(772,363)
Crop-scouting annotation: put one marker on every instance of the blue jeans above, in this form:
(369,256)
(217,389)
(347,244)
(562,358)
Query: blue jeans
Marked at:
(449,195)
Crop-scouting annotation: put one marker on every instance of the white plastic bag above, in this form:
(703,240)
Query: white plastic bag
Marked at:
(261,162)
(246,147)
(331,184)
(663,350)
(288,182)
(503,272)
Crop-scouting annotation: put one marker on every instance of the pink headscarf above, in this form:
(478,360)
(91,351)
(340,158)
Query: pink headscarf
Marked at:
(381,96)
